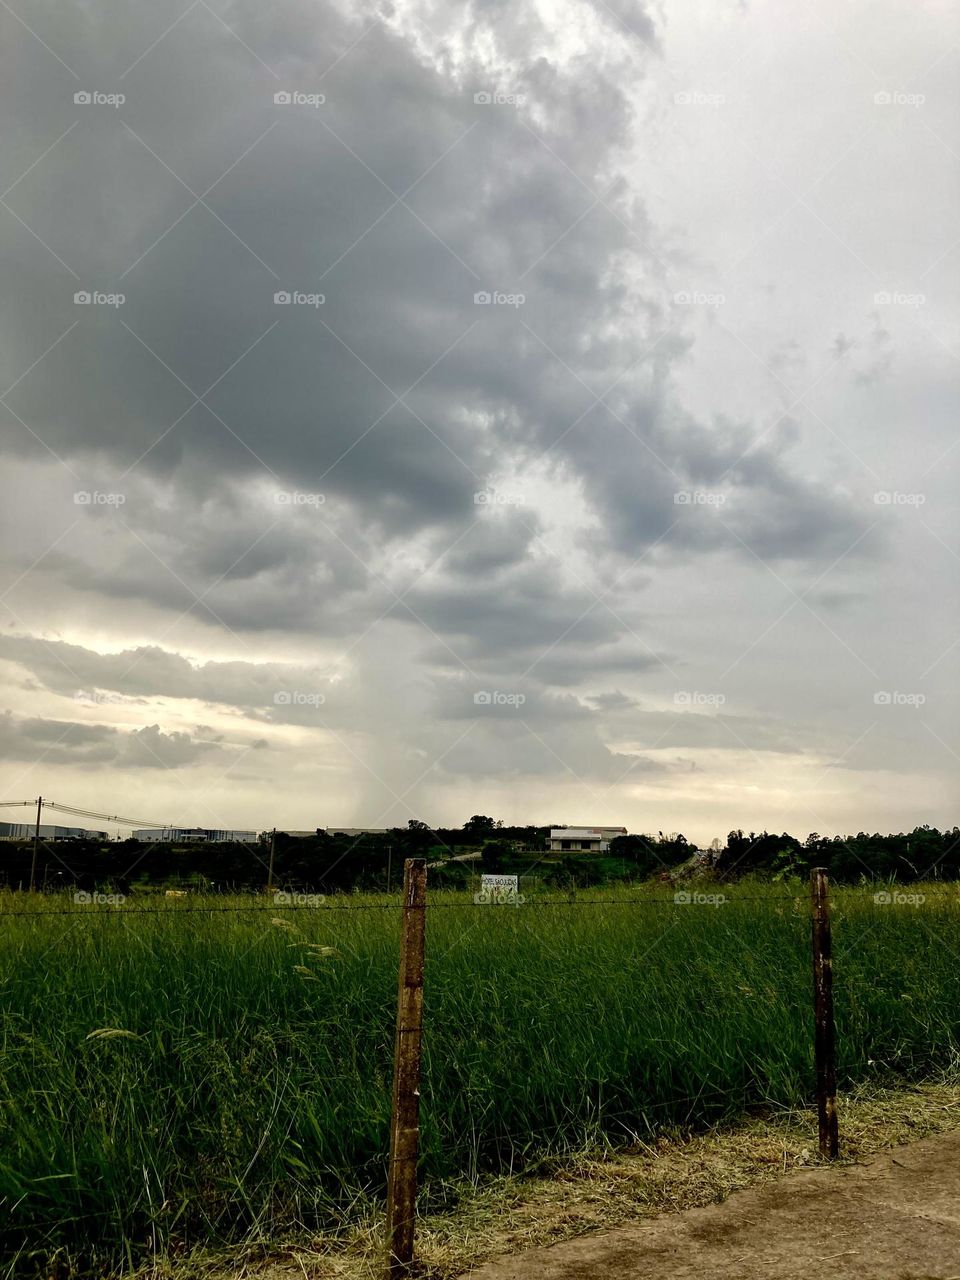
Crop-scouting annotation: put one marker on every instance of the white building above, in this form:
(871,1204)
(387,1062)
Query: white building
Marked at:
(204,835)
(583,839)
(26,830)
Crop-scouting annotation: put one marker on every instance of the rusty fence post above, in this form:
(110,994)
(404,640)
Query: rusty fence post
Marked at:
(824,1030)
(405,1111)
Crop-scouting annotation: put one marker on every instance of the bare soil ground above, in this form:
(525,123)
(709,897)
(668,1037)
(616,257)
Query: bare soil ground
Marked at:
(711,1205)
(896,1217)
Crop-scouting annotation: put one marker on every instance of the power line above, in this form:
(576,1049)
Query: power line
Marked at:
(106,817)
(85,813)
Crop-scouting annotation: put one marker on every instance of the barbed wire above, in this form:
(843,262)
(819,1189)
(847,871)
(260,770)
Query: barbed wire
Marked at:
(91,910)
(109,910)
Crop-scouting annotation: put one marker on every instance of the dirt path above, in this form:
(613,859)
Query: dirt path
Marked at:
(896,1217)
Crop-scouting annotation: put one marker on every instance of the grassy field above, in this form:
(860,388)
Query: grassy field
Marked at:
(172,1075)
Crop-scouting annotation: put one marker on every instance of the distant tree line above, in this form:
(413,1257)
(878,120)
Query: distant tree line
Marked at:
(921,854)
(338,863)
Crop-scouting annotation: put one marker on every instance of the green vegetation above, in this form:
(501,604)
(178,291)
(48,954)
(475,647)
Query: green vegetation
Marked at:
(190,1070)
(328,862)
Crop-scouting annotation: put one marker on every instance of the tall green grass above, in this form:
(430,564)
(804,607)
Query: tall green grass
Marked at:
(171,1076)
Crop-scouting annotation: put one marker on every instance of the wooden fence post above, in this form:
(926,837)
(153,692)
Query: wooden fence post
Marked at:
(824,1030)
(405,1112)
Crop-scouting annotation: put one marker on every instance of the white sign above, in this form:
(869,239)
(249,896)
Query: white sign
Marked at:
(498,890)
(500,882)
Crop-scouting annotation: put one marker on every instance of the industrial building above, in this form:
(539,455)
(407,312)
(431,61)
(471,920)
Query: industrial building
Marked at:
(48,831)
(583,839)
(198,835)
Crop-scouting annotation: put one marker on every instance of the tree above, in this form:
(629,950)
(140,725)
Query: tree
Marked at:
(638,851)
(419,836)
(491,856)
(413,840)
(480,825)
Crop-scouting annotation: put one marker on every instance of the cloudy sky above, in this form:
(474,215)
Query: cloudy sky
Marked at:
(541,409)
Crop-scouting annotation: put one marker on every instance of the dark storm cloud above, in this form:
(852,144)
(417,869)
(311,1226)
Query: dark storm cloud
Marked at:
(239,560)
(517,745)
(32,740)
(500,198)
(300,479)
(516,621)
(150,671)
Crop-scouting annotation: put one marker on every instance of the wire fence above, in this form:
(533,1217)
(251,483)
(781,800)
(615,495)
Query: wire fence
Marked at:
(108,911)
(614,1095)
(194,904)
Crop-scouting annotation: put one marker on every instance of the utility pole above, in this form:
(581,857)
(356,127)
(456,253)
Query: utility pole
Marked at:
(273,849)
(389,866)
(36,843)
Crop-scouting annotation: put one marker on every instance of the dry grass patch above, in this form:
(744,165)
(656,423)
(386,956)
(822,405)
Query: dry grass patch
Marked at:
(598,1190)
